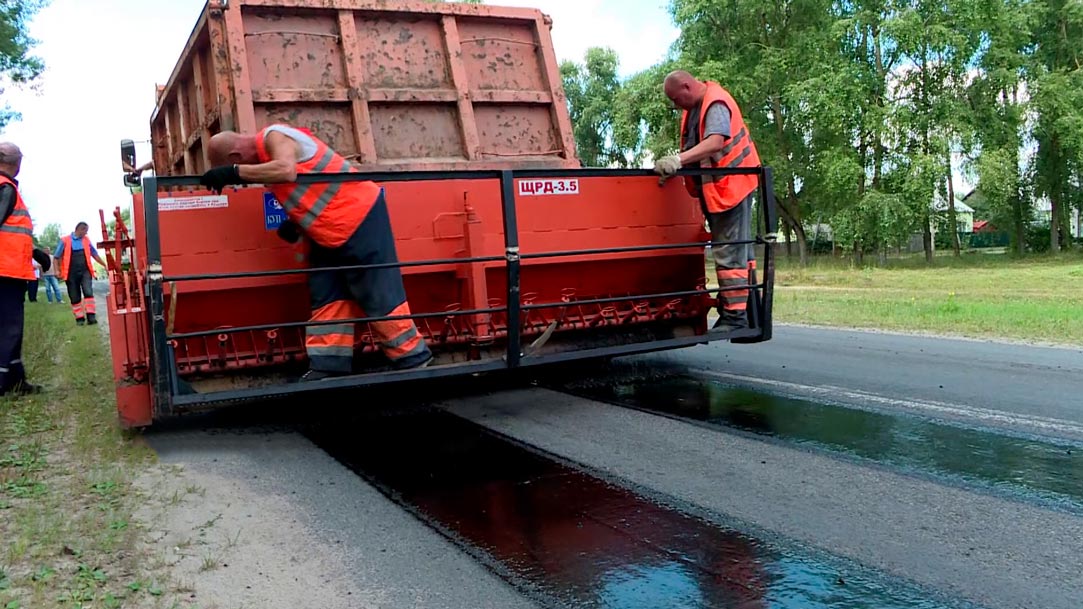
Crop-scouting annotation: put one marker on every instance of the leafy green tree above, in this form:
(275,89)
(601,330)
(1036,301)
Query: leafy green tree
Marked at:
(17,66)
(998,109)
(864,107)
(938,40)
(50,237)
(592,90)
(1055,82)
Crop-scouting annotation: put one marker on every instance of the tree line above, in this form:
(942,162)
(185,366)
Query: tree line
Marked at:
(861,106)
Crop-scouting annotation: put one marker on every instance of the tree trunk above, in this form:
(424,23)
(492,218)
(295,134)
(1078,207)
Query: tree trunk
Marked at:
(859,253)
(953,221)
(789,240)
(878,101)
(1054,221)
(1019,210)
(802,244)
(927,238)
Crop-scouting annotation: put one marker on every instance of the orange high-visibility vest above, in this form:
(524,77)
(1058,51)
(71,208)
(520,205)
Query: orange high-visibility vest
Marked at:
(65,261)
(722,194)
(17,240)
(329,213)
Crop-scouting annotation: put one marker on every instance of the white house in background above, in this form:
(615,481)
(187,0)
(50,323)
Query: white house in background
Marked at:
(964,221)
(964,214)
(1043,214)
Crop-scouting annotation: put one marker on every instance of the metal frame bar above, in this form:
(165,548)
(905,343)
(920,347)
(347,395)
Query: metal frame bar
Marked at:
(166,398)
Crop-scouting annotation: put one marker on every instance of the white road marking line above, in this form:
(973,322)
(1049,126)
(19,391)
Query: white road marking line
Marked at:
(944,408)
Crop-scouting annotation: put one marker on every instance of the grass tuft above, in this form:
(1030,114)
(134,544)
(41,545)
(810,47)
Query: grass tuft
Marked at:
(975,295)
(66,474)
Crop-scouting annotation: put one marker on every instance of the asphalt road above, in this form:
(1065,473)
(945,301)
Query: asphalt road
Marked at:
(956,542)
(968,544)
(1027,388)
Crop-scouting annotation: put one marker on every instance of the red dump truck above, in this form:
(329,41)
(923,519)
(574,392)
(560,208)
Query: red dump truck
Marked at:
(513,254)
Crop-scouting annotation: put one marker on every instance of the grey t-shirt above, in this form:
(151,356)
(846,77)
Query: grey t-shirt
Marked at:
(308,146)
(717,123)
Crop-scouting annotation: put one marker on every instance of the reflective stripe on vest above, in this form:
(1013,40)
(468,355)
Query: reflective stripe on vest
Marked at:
(329,213)
(727,192)
(17,240)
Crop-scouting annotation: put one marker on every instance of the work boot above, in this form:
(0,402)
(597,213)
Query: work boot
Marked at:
(731,321)
(421,360)
(22,388)
(317,375)
(91,319)
(79,321)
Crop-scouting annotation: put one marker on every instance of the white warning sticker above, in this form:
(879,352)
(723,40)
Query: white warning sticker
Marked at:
(190,203)
(538,188)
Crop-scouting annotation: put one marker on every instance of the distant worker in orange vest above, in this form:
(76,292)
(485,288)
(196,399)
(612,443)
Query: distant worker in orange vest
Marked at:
(347,224)
(74,253)
(16,252)
(714,135)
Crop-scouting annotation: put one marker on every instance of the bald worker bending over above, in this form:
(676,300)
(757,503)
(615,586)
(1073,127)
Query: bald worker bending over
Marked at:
(714,134)
(347,224)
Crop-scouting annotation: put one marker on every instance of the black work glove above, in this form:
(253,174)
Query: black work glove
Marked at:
(44,259)
(289,232)
(218,178)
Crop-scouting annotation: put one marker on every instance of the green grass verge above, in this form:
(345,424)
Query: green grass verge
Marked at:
(67,538)
(976,295)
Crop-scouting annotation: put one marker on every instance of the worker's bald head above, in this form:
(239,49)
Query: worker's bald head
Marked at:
(684,90)
(11,158)
(231,148)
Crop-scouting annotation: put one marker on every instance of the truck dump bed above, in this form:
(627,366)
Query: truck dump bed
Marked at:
(512,254)
(392,84)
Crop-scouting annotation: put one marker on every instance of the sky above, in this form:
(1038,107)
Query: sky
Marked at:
(104,57)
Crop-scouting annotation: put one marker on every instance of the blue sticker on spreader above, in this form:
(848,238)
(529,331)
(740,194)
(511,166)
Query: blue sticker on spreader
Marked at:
(273,214)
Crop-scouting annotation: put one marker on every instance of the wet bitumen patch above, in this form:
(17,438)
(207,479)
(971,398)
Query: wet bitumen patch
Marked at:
(1027,468)
(571,539)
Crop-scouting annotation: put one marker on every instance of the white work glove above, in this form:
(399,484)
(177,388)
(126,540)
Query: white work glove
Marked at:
(667,166)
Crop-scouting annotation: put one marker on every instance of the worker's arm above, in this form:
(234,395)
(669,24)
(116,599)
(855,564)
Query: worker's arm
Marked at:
(710,146)
(282,168)
(59,253)
(717,134)
(7,202)
(96,257)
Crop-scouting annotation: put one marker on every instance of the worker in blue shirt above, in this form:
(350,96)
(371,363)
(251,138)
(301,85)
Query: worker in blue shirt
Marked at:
(74,253)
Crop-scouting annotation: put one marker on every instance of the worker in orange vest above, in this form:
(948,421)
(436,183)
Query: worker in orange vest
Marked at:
(16,252)
(714,135)
(74,253)
(346,224)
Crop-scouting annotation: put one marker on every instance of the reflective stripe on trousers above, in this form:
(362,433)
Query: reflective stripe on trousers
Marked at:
(733,300)
(330,347)
(733,262)
(399,339)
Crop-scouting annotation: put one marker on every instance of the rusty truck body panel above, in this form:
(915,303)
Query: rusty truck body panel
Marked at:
(389,84)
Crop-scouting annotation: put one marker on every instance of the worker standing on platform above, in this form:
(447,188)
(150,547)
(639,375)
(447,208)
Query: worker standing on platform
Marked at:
(74,253)
(347,224)
(714,135)
(16,252)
